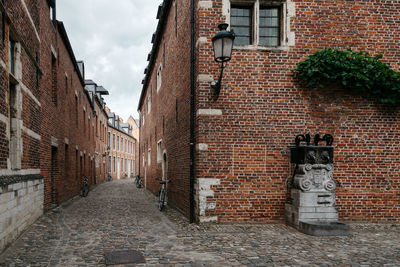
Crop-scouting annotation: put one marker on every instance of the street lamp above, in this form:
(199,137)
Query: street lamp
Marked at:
(222,45)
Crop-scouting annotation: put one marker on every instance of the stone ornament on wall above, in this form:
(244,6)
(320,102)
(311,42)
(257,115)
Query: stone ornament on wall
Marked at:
(314,177)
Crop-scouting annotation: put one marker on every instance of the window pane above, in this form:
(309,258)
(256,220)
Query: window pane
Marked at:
(241,24)
(270,26)
(269,41)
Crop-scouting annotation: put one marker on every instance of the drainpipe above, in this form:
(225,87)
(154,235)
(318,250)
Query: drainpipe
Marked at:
(192,111)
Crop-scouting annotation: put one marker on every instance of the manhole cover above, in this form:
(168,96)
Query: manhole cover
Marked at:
(124,257)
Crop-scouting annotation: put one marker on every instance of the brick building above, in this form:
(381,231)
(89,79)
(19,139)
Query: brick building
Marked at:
(100,129)
(21,198)
(53,129)
(228,158)
(122,156)
(135,133)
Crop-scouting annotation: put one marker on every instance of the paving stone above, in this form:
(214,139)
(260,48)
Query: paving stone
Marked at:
(117,216)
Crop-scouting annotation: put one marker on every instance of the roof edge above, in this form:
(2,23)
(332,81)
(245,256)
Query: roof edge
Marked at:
(162,14)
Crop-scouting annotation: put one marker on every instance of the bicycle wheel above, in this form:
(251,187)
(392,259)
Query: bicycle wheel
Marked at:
(161,197)
(85,191)
(138,183)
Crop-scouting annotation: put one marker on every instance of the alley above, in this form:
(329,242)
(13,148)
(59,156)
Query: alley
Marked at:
(117,216)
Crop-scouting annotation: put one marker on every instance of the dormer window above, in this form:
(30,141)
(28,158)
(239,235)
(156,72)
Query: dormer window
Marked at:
(53,13)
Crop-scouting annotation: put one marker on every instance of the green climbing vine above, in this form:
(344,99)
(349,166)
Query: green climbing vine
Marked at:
(357,72)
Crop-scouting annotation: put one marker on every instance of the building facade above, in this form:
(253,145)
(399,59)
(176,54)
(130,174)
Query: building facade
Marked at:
(135,133)
(122,156)
(21,198)
(100,129)
(53,129)
(228,158)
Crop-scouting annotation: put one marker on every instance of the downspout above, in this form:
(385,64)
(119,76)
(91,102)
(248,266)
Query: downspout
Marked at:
(192,112)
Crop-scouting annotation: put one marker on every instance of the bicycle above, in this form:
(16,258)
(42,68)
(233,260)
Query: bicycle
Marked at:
(161,194)
(138,181)
(85,187)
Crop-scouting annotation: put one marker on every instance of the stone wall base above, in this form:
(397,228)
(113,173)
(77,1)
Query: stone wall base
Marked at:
(21,204)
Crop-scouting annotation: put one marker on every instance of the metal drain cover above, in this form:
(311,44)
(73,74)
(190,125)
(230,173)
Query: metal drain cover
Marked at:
(124,257)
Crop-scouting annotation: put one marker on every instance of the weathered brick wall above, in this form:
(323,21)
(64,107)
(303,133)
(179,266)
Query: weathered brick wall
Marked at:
(101,143)
(244,157)
(21,196)
(170,110)
(59,127)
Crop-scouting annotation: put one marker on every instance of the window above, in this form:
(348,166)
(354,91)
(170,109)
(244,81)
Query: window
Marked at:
(76,111)
(114,164)
(11,56)
(148,157)
(54,79)
(269,26)
(108,139)
(66,83)
(148,104)
(241,20)
(84,122)
(53,13)
(159,151)
(259,22)
(109,164)
(117,143)
(113,141)
(122,144)
(159,77)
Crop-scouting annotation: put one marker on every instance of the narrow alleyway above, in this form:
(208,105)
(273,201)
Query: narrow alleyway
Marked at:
(117,216)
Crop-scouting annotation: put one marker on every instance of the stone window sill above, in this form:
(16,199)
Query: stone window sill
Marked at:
(262,48)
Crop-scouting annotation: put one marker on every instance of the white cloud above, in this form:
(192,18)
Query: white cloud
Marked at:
(113,39)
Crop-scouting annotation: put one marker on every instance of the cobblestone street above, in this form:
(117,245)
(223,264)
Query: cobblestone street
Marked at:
(117,216)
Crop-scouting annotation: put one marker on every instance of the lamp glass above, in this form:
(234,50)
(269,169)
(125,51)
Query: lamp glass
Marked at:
(227,48)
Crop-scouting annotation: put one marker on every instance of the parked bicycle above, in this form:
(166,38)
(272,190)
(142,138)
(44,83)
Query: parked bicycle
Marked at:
(161,194)
(138,181)
(85,187)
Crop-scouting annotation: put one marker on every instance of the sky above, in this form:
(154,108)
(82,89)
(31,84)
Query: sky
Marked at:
(113,38)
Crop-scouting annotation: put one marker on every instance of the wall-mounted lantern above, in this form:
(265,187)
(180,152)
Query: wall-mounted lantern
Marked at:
(222,45)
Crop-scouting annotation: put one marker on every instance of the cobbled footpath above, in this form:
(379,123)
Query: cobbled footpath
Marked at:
(118,216)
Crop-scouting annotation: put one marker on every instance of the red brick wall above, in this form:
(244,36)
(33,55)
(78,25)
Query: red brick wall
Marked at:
(59,121)
(264,108)
(22,31)
(170,111)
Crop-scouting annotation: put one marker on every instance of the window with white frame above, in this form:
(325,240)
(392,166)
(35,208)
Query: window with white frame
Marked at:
(260,23)
(159,151)
(159,77)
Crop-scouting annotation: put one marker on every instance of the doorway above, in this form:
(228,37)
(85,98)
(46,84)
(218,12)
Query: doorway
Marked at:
(164,166)
(53,174)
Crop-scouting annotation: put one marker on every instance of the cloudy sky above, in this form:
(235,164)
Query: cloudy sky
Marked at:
(113,39)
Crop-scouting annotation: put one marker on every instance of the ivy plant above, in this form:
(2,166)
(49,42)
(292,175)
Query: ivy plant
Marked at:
(357,72)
